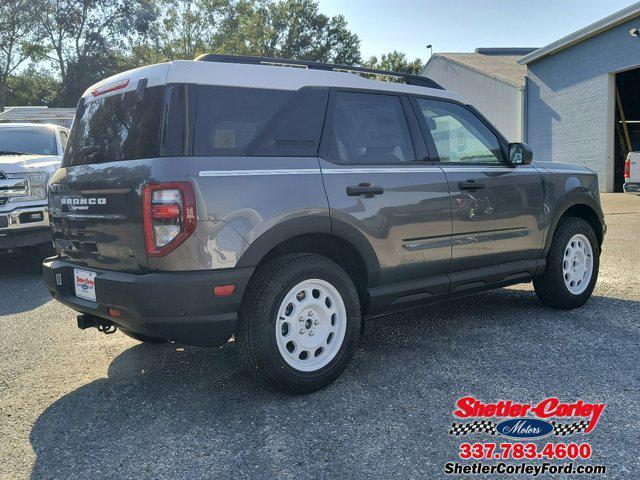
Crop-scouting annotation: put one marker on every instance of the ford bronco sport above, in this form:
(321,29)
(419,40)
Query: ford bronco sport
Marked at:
(283,202)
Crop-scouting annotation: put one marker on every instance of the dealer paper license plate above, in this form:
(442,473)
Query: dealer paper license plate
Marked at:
(85,284)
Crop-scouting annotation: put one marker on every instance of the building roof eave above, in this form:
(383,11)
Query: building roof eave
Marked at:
(585,33)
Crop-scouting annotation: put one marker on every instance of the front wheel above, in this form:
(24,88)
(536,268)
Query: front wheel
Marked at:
(299,323)
(572,266)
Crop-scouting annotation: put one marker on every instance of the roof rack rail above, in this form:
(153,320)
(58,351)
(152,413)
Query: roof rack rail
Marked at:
(282,62)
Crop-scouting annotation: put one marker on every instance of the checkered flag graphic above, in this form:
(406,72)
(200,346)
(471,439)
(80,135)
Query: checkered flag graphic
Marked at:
(568,429)
(462,429)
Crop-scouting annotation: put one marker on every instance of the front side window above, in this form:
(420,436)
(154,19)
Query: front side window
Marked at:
(369,128)
(459,136)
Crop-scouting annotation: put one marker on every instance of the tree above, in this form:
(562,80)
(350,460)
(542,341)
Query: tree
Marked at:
(32,86)
(82,33)
(395,62)
(182,30)
(287,29)
(18,40)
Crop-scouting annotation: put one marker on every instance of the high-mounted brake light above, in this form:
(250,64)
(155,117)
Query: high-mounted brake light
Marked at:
(169,215)
(627,168)
(110,87)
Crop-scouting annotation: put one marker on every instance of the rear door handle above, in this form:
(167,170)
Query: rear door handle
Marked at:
(365,190)
(470,185)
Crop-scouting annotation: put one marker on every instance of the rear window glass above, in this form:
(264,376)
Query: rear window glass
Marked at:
(116,128)
(233,121)
(36,140)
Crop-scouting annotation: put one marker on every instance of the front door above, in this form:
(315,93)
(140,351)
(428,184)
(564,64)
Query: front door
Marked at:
(497,208)
(380,184)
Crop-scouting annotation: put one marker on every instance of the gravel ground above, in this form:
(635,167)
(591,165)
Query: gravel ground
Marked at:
(79,404)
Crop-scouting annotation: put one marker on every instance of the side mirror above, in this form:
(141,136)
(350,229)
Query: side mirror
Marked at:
(520,154)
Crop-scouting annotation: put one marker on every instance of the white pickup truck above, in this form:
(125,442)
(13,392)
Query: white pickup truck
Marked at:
(29,154)
(632,173)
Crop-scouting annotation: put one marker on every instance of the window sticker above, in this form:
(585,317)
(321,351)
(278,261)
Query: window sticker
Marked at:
(225,138)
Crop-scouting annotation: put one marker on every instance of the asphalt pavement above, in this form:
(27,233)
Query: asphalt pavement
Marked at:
(81,404)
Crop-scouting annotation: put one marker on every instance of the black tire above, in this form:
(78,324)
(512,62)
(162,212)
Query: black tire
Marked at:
(255,334)
(550,286)
(143,338)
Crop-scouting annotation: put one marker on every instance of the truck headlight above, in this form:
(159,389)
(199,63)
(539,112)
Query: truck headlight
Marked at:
(37,185)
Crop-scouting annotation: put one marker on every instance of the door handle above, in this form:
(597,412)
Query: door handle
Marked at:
(470,185)
(365,190)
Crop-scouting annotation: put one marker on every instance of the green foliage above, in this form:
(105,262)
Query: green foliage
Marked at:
(85,41)
(395,62)
(85,38)
(19,37)
(32,87)
(287,29)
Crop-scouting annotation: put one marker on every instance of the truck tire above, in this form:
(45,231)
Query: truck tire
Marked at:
(299,323)
(142,338)
(572,266)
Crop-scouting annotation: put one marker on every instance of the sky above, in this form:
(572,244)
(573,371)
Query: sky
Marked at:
(463,25)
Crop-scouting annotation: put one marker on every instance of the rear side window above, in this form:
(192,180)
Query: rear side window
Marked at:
(369,128)
(116,128)
(232,121)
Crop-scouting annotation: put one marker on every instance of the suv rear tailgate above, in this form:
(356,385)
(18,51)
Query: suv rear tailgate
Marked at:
(96,214)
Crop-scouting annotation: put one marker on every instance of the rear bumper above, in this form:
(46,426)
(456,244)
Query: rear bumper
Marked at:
(178,306)
(632,187)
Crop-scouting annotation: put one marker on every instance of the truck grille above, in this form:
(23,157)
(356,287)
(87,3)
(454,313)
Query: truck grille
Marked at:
(3,200)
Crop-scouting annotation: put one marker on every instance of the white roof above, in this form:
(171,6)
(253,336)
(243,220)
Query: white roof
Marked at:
(255,76)
(39,114)
(28,125)
(589,31)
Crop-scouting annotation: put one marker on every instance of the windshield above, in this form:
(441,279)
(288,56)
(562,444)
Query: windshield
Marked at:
(34,140)
(115,128)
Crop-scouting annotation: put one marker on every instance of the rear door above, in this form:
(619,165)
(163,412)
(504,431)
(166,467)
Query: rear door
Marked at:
(381,184)
(95,198)
(497,208)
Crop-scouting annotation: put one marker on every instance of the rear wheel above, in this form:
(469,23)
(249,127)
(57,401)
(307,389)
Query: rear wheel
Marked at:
(572,266)
(299,324)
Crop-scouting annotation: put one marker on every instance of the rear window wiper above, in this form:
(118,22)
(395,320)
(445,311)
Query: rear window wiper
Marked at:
(89,151)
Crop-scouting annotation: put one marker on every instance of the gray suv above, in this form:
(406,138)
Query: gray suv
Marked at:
(284,202)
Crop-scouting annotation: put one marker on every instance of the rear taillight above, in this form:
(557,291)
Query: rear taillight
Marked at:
(169,213)
(627,169)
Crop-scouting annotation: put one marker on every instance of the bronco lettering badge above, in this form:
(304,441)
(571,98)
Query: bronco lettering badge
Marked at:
(82,203)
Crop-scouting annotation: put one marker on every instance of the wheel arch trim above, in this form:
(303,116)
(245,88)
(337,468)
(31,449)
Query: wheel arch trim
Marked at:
(575,199)
(312,224)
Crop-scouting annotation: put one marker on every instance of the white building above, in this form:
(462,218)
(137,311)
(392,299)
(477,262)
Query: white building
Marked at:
(59,116)
(491,79)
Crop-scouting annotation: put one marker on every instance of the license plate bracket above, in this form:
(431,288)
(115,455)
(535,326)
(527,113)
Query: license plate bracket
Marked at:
(84,284)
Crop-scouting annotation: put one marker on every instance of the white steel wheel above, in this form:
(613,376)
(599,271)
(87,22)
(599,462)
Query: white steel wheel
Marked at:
(311,325)
(577,264)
